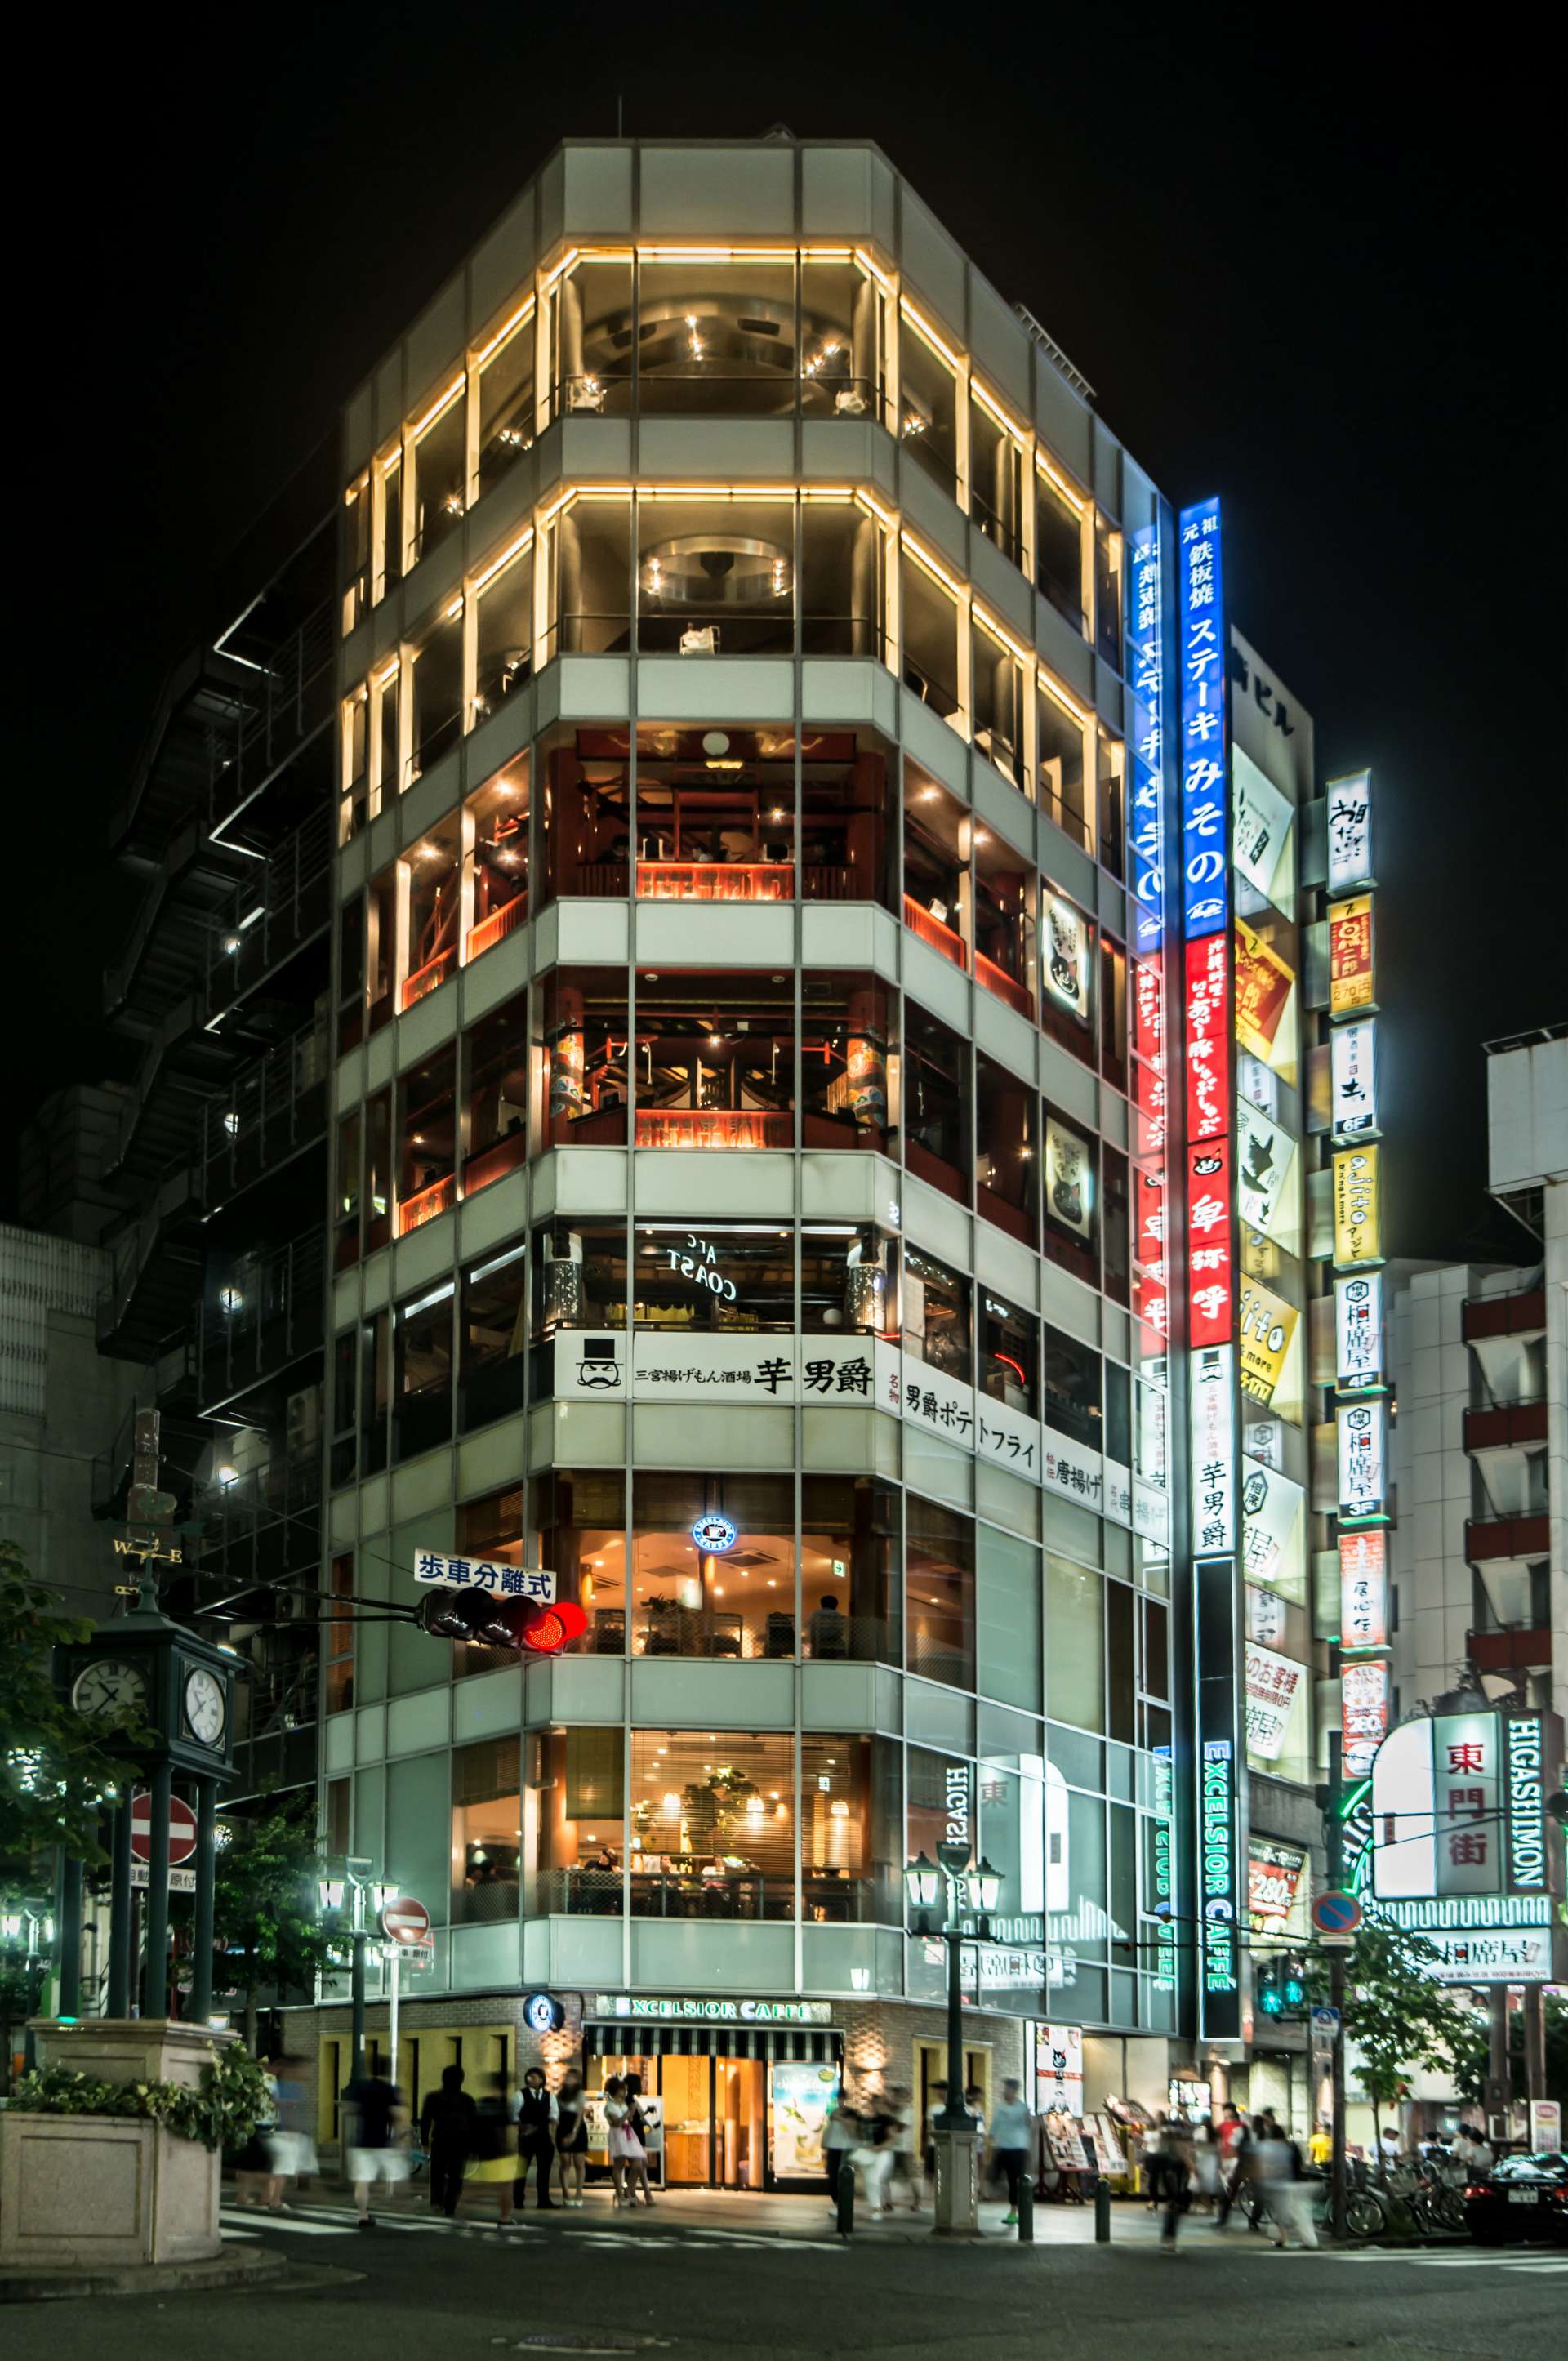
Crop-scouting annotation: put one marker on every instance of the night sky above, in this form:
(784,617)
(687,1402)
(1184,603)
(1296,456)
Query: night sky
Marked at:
(1318,280)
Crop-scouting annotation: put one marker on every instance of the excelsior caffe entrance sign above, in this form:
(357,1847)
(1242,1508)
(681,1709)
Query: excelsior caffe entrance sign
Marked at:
(1463,1850)
(677,2009)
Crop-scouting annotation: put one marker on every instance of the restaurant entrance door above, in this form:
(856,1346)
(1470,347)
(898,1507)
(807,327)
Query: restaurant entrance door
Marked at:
(737,2107)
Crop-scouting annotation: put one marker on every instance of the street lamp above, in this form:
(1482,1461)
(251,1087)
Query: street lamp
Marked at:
(355,1895)
(977,1886)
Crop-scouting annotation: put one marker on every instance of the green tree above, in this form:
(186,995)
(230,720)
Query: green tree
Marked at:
(266,1910)
(54,1772)
(1396,2014)
(1472,2060)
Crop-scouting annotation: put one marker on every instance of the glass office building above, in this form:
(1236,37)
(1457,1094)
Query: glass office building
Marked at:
(750,1186)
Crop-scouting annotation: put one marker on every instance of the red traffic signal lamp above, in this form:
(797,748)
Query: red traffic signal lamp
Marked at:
(540,1628)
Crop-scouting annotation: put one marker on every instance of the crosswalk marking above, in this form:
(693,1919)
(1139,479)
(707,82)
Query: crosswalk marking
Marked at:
(1536,2265)
(324,2222)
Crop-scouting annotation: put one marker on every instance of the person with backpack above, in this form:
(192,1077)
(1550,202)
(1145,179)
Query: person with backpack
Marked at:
(446,2135)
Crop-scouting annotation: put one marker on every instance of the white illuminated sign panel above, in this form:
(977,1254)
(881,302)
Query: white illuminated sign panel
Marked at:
(1364,1589)
(1213,1374)
(1353,1065)
(1349,833)
(1362,1433)
(1358,1330)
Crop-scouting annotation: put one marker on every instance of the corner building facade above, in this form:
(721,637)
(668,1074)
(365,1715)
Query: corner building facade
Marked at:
(751,1155)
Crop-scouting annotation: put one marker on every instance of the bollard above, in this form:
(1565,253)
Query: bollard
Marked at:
(1026,2211)
(846,2198)
(1103,2212)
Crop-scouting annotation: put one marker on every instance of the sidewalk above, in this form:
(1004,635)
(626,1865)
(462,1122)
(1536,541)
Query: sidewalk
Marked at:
(713,2212)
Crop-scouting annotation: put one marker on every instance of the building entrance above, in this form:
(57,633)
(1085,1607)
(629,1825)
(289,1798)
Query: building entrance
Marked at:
(742,2110)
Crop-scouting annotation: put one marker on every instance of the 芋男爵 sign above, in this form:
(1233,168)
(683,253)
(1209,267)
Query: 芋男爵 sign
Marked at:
(1212,1441)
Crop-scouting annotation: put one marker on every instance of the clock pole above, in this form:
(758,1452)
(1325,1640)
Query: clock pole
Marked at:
(206,1880)
(120,1903)
(154,2000)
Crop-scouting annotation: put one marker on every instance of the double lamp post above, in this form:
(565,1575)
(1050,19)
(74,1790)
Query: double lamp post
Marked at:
(972,1890)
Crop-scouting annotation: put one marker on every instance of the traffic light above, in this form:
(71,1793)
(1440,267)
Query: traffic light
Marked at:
(1293,1985)
(540,1628)
(1269,1989)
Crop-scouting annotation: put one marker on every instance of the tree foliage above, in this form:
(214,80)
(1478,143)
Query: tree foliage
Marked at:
(54,1772)
(266,1910)
(1397,2015)
(221,2110)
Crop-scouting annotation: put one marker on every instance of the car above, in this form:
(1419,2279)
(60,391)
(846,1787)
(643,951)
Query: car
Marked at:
(1521,2197)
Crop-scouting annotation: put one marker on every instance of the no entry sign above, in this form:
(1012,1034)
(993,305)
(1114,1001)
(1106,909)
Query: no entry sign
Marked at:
(406,1921)
(182,1828)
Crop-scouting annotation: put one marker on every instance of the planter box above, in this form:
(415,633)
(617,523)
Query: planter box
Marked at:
(79,2192)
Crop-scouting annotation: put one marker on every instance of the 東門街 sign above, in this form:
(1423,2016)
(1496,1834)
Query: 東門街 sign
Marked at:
(681,2010)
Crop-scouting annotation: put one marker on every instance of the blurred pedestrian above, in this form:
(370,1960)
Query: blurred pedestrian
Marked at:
(572,2137)
(1235,2144)
(376,2153)
(493,2157)
(446,2136)
(1206,2164)
(256,2183)
(872,2158)
(905,2174)
(1012,2135)
(840,2137)
(1291,2193)
(635,2132)
(1176,2156)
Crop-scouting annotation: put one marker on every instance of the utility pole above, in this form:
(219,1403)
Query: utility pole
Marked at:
(1334,1834)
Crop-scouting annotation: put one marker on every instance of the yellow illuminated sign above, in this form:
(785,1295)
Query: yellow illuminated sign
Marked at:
(1265,1327)
(1350,955)
(1358,1230)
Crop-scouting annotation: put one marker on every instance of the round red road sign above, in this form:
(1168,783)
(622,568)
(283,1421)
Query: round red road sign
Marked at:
(405,1920)
(182,1828)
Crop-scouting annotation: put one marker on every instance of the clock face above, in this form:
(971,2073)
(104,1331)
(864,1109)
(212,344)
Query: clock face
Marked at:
(204,1709)
(109,1689)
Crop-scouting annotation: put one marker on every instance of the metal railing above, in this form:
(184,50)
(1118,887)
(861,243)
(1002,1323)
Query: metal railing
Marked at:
(263,1311)
(289,701)
(270,1110)
(284,906)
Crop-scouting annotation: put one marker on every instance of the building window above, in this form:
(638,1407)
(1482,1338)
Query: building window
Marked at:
(503,630)
(581,1804)
(1114,1012)
(494,1088)
(712,1824)
(378,1170)
(1075,1644)
(936,865)
(935,1103)
(931,657)
(1060,537)
(387,525)
(1062,737)
(580,1515)
(939,1592)
(492,1338)
(929,401)
(996,673)
(434,868)
(936,1316)
(486,1832)
(579,1277)
(847,846)
(689,1599)
(427,1132)
(340,1636)
(715,1060)
(715,815)
(716,337)
(1107,592)
(716,1279)
(1111,764)
(581,1015)
(716,576)
(382,900)
(1006,1174)
(346,1247)
(1004,893)
(490,1527)
(433,678)
(587,573)
(355,812)
(849,1048)
(437,471)
(588,335)
(996,476)
(423,1399)
(345,1407)
(843,580)
(849,1280)
(356,553)
(1009,1355)
(1116,1225)
(375,1392)
(851,1865)
(498,858)
(587,835)
(1072,1389)
(849,1601)
(351,976)
(505,372)
(844,339)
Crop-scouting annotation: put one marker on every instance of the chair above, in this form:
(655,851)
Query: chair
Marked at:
(778,1635)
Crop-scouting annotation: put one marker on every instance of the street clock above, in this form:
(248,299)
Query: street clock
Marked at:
(143,1668)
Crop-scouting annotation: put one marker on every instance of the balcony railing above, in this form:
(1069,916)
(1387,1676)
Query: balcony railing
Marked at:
(270,1110)
(826,1896)
(264,1312)
(1516,1649)
(508,1155)
(498,926)
(997,980)
(714,1127)
(413,1212)
(1506,1537)
(1505,1425)
(1505,1315)
(425,979)
(715,881)
(942,939)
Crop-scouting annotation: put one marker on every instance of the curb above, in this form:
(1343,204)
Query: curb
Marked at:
(19,2285)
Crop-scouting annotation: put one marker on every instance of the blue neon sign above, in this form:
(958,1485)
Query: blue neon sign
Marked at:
(1206,902)
(714,1533)
(1145,670)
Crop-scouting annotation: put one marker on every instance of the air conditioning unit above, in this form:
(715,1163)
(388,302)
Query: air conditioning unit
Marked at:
(701,640)
(304,1421)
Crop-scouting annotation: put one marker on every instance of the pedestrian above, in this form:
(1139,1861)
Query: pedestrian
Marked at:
(376,2153)
(872,2158)
(937,2106)
(1235,2141)
(535,2138)
(1387,2150)
(256,2183)
(493,2157)
(637,2159)
(572,2137)
(1289,2191)
(1206,2164)
(904,2169)
(446,2136)
(1321,2146)
(1012,2133)
(291,2150)
(840,2136)
(1176,2157)
(1154,2153)
(1267,2166)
